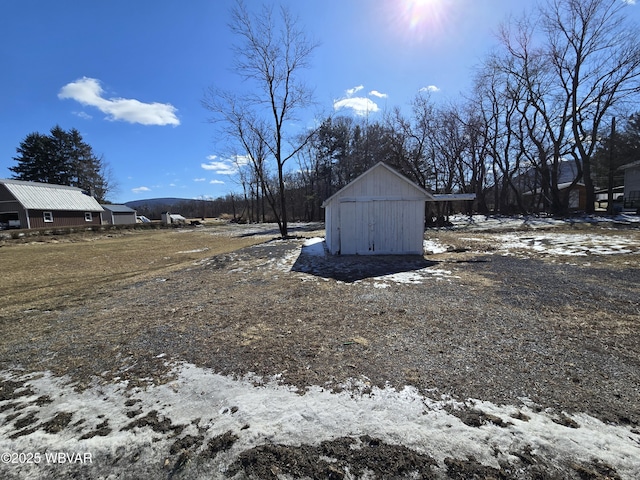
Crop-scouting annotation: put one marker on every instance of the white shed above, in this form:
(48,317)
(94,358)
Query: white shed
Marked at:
(379,213)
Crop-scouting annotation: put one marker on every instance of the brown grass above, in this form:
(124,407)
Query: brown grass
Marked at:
(60,271)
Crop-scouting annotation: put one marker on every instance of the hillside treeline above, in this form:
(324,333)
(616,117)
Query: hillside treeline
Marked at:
(444,150)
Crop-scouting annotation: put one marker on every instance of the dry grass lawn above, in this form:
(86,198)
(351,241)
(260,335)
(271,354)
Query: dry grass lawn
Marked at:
(52,272)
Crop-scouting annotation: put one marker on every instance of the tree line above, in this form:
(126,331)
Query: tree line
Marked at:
(542,104)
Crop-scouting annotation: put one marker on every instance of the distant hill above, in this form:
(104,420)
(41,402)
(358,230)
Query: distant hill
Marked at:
(151,203)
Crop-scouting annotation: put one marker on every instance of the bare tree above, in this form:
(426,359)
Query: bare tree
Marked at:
(271,54)
(587,63)
(411,140)
(499,94)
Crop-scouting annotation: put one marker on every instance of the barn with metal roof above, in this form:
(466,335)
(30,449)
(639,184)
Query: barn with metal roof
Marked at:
(42,205)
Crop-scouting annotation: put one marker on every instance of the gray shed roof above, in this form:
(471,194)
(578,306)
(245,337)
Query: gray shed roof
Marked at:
(118,208)
(45,196)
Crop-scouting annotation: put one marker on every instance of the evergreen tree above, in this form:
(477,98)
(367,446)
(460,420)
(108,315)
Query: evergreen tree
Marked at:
(61,158)
(626,149)
(33,164)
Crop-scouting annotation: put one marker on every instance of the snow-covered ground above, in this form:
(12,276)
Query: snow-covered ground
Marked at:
(498,222)
(204,402)
(520,236)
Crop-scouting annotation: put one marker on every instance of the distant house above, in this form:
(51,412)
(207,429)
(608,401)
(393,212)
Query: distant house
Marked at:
(118,215)
(380,212)
(631,186)
(577,196)
(40,205)
(530,186)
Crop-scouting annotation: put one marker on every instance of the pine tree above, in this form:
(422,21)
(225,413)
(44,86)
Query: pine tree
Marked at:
(61,158)
(33,164)
(626,150)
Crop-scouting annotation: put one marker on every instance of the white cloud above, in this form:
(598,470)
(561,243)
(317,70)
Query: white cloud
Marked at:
(629,2)
(140,189)
(88,91)
(84,115)
(360,105)
(242,160)
(225,166)
(376,93)
(216,182)
(350,92)
(221,167)
(199,179)
(430,88)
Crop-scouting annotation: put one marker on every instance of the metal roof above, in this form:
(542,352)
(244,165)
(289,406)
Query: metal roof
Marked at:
(630,165)
(118,208)
(45,196)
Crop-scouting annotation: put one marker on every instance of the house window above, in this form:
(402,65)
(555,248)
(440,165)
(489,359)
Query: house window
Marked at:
(88,217)
(48,216)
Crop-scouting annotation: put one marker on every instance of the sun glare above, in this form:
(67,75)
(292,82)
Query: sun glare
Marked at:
(422,18)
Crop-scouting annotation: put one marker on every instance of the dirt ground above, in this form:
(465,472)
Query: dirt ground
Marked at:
(560,333)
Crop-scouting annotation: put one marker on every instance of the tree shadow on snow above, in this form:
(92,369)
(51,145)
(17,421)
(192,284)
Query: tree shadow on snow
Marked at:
(316,260)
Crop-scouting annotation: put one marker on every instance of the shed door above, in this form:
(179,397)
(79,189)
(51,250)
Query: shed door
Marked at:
(381,227)
(354,228)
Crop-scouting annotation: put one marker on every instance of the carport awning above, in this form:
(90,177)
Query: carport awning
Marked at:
(450,197)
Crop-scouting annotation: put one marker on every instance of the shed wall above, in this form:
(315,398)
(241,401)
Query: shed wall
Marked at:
(379,183)
(118,218)
(124,218)
(380,227)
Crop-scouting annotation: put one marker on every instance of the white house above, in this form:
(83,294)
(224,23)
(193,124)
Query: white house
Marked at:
(380,212)
(632,185)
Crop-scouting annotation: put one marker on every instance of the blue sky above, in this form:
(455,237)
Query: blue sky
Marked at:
(130,75)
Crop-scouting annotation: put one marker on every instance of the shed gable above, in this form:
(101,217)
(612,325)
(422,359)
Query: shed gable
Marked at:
(380,182)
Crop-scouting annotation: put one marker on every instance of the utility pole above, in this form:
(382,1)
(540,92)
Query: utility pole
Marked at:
(612,142)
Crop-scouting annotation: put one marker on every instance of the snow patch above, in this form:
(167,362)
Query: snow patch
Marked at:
(197,250)
(270,413)
(568,243)
(434,247)
(416,276)
(314,247)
